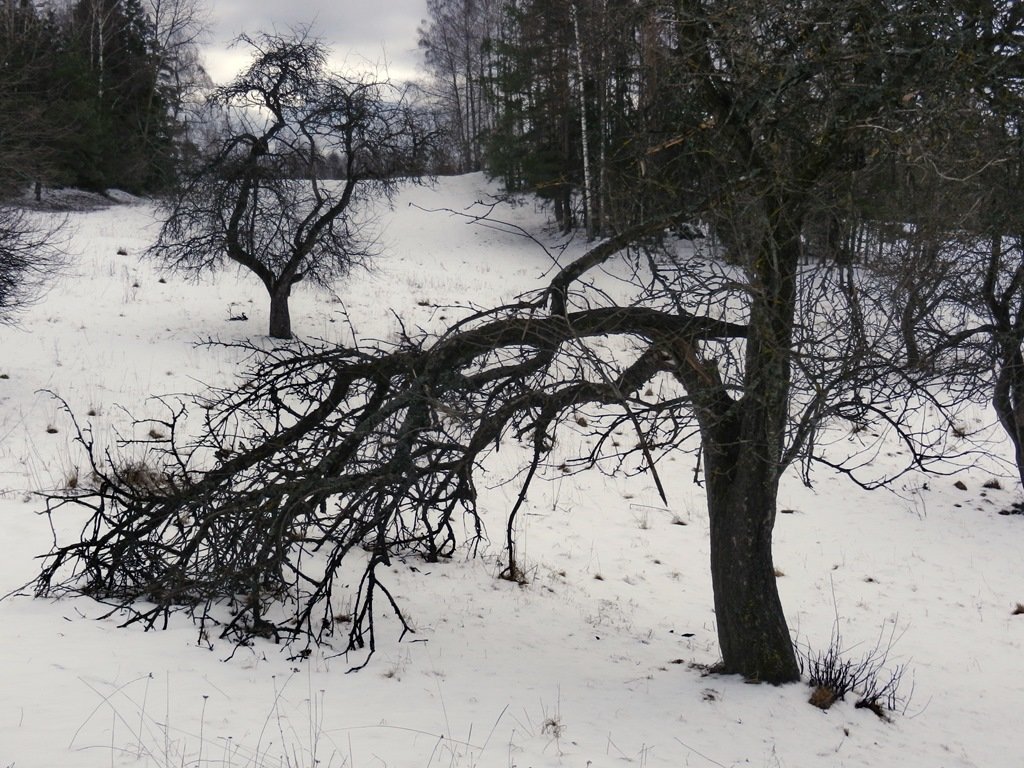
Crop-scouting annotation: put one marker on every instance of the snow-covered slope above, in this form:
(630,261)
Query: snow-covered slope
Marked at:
(594,662)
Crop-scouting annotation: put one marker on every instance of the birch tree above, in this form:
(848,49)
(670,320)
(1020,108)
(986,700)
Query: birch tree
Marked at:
(457,39)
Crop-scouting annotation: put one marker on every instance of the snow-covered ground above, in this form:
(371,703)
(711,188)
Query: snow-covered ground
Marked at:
(595,662)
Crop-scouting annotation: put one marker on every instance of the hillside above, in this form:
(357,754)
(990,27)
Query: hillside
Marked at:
(596,661)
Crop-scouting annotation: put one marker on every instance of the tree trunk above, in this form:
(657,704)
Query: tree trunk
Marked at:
(1008,401)
(742,440)
(588,185)
(742,483)
(1008,392)
(280,317)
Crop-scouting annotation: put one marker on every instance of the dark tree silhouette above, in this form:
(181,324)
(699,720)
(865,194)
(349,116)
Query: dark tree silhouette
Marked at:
(258,196)
(30,253)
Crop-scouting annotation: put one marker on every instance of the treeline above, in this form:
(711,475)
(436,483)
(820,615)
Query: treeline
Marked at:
(573,101)
(91,93)
(584,102)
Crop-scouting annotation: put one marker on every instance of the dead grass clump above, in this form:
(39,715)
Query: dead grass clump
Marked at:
(552,726)
(141,477)
(823,697)
(74,480)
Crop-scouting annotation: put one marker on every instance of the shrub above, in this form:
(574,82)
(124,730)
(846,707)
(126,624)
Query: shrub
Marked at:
(833,674)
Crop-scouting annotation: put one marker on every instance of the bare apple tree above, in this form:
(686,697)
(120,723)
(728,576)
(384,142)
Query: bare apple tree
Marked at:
(260,196)
(322,457)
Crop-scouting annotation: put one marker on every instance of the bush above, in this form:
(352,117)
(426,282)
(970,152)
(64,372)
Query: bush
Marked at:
(833,674)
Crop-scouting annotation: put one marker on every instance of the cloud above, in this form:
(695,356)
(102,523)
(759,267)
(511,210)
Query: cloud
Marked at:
(385,37)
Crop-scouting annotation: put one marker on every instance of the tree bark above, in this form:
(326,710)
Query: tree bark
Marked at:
(1008,392)
(1008,401)
(280,316)
(753,635)
(588,185)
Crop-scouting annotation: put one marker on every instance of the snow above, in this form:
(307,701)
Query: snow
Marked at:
(596,661)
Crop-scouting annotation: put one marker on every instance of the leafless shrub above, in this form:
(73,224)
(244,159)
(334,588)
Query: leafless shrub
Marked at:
(833,674)
(31,252)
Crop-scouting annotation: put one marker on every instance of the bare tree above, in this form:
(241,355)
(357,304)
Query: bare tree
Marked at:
(325,454)
(30,253)
(952,251)
(961,298)
(178,27)
(258,197)
(989,283)
(457,40)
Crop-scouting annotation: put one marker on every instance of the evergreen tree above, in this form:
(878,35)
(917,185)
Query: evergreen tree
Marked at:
(26,106)
(535,144)
(89,96)
(126,117)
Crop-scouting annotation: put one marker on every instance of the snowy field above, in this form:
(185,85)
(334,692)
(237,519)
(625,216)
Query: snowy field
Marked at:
(596,661)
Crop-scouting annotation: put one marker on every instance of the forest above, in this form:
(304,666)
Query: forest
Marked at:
(93,93)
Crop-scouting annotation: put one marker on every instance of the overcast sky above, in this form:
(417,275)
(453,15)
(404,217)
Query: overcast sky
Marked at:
(360,33)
